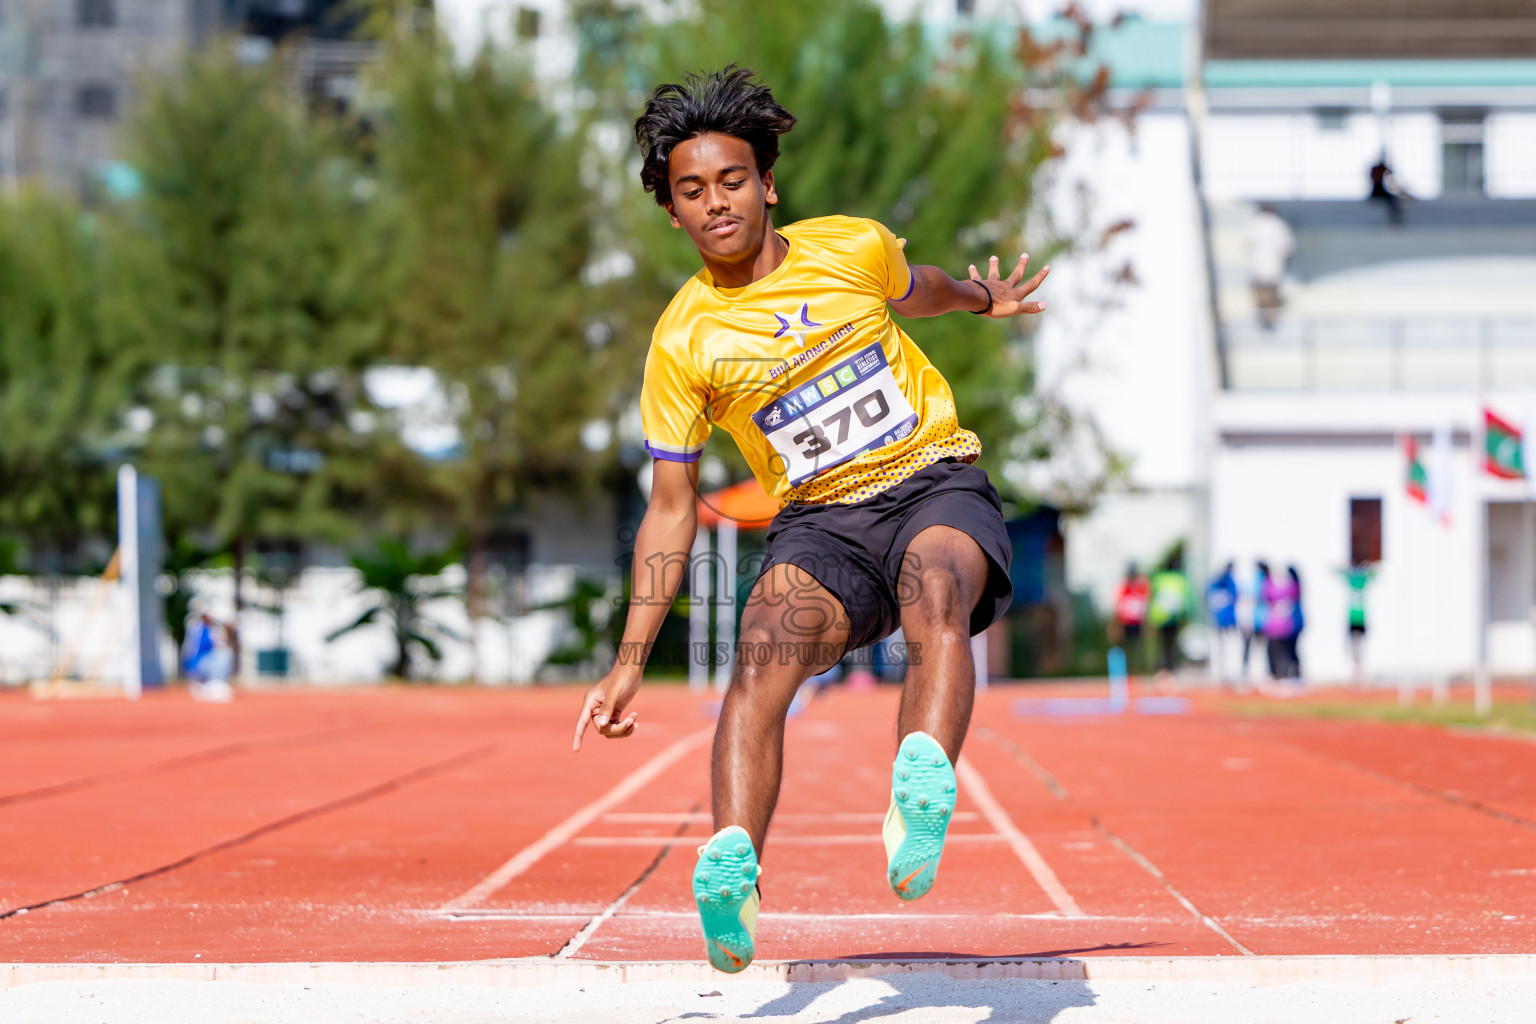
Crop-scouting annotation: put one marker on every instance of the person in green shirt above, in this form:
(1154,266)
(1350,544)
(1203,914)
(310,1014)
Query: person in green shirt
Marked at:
(1357,578)
(1169,611)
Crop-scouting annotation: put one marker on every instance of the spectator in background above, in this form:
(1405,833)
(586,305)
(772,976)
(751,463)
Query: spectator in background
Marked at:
(209,661)
(1221,599)
(1384,188)
(1298,623)
(1357,578)
(1169,611)
(1281,599)
(1130,615)
(198,645)
(1252,623)
(1270,244)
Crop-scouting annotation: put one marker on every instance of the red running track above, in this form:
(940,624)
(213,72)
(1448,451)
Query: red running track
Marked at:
(419,825)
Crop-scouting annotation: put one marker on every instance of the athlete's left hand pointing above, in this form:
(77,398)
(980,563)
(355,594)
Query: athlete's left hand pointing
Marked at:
(603,707)
(1008,293)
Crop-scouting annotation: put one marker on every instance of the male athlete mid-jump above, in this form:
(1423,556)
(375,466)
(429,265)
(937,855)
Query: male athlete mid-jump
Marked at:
(785,339)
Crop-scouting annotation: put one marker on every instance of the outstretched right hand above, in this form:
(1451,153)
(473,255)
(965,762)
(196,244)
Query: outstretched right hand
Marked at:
(1008,293)
(603,707)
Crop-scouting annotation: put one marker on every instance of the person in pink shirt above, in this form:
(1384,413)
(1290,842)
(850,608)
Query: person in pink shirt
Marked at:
(1282,623)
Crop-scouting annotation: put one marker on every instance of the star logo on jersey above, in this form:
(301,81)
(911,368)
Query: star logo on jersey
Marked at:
(791,324)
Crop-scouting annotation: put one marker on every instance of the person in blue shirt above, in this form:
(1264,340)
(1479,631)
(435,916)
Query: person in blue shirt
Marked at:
(1258,613)
(200,644)
(209,661)
(1221,599)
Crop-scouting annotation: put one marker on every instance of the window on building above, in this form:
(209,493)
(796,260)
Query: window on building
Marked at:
(96,100)
(505,559)
(280,560)
(509,547)
(1508,551)
(527,23)
(292,9)
(1331,119)
(96,13)
(1364,530)
(1461,151)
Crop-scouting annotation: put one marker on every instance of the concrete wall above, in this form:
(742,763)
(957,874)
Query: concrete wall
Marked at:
(87,617)
(1142,366)
(1510,153)
(1293,154)
(1127,527)
(569,538)
(1282,478)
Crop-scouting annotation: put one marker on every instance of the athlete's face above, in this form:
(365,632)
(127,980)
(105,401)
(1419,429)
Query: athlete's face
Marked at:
(719,198)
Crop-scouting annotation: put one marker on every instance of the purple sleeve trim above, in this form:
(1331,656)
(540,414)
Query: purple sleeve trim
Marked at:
(911,284)
(666,456)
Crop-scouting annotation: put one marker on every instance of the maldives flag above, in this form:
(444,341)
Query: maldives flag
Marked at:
(1502,455)
(1418,479)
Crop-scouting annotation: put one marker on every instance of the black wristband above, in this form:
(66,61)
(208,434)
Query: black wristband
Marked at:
(983,312)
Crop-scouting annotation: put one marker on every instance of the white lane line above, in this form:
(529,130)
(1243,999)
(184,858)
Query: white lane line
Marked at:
(562,833)
(578,940)
(500,914)
(845,840)
(1153,870)
(704,818)
(1060,793)
(509,914)
(1025,850)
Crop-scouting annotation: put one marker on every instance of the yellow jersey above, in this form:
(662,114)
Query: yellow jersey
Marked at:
(828,400)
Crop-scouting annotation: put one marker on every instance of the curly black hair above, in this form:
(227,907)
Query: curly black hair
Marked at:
(727,102)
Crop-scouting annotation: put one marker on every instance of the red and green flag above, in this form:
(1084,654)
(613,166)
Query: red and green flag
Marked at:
(1502,447)
(1418,478)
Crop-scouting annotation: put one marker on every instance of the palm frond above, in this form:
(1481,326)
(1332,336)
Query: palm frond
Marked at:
(362,620)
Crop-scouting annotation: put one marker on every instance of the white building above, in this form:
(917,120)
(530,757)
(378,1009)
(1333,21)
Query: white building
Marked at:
(1142,367)
(1287,439)
(1388,329)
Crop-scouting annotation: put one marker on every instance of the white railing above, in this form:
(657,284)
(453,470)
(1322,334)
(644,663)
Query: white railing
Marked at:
(1381,354)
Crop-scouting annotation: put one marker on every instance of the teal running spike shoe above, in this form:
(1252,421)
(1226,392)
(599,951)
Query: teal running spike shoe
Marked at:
(922,800)
(725,889)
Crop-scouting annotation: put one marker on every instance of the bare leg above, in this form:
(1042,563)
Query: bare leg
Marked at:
(787,607)
(945,572)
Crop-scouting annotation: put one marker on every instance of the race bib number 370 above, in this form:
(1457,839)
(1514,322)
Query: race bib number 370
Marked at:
(853,407)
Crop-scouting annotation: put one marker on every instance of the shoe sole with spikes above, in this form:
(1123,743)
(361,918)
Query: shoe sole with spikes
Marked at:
(923,795)
(724,880)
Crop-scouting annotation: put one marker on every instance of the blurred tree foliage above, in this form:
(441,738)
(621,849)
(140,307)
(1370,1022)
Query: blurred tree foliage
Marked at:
(589,606)
(62,389)
(254,314)
(917,130)
(487,226)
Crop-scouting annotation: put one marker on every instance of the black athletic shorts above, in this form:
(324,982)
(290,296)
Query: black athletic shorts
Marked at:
(855,550)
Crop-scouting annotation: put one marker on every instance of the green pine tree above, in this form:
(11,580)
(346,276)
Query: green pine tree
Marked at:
(487,222)
(61,384)
(252,310)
